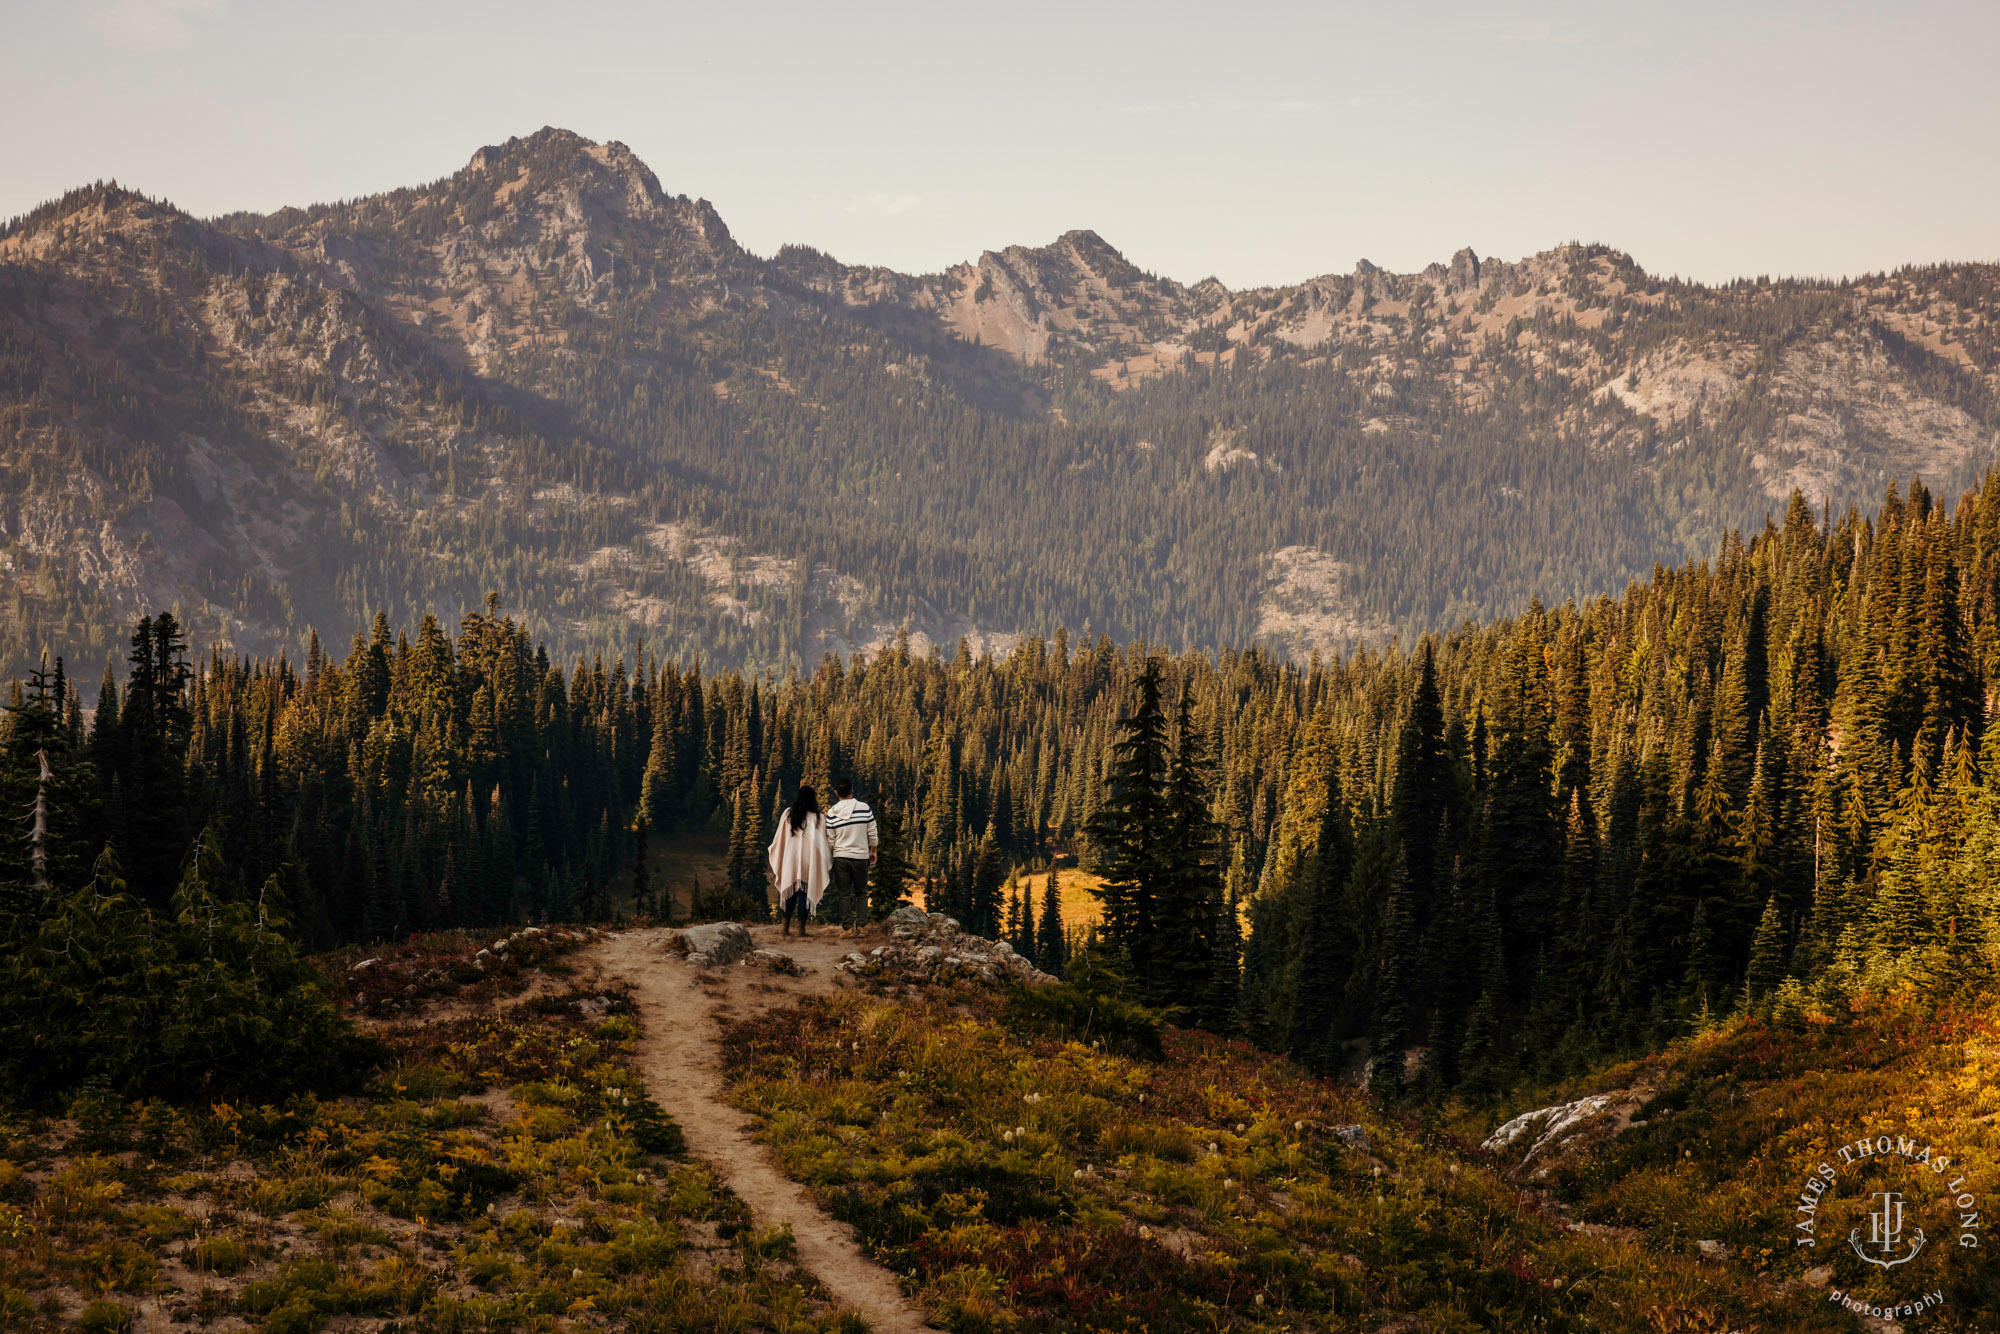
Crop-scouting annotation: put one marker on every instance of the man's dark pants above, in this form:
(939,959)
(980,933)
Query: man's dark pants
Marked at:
(849,891)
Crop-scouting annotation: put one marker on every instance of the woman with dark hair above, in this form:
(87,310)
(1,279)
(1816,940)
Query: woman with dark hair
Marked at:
(799,853)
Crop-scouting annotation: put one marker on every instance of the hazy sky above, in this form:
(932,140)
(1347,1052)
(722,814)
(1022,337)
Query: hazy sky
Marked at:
(1257,142)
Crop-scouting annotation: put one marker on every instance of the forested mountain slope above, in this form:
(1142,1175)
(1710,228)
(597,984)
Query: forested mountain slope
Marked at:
(547,376)
(1765,779)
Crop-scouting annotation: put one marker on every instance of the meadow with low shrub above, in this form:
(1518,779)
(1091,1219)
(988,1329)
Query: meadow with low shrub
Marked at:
(501,1168)
(1746,1111)
(1025,1178)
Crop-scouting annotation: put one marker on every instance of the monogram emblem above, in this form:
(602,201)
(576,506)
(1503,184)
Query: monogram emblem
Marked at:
(1885,1233)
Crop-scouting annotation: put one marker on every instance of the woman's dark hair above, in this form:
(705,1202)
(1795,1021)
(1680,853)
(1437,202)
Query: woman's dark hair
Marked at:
(806,803)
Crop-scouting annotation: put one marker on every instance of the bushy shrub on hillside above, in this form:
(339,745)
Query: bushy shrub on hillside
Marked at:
(211,998)
(1067,1013)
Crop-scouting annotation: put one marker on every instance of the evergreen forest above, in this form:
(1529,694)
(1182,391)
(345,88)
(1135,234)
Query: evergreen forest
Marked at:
(1762,780)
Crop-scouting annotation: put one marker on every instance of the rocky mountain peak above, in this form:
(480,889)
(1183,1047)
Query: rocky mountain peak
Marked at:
(90,208)
(561,167)
(1086,245)
(480,258)
(106,227)
(548,142)
(1463,275)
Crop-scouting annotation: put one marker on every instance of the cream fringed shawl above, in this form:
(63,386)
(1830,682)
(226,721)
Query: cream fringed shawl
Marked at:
(799,857)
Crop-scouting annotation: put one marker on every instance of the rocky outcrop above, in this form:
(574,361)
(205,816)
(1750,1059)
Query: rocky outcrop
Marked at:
(1546,1125)
(1463,276)
(1076,294)
(1540,1141)
(928,947)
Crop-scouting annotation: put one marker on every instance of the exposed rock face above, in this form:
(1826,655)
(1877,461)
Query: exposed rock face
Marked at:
(931,946)
(1306,603)
(1549,1124)
(1464,273)
(474,258)
(1078,293)
(1541,1140)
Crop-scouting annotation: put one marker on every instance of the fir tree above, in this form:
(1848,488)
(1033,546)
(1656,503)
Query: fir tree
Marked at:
(155,725)
(1767,953)
(1319,968)
(1052,944)
(642,887)
(1520,837)
(889,882)
(1189,898)
(983,877)
(1225,980)
(1131,833)
(1382,885)
(48,801)
(1580,948)
(659,799)
(745,874)
(1423,788)
(1020,917)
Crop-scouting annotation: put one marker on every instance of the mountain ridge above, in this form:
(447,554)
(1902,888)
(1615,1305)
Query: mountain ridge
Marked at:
(547,375)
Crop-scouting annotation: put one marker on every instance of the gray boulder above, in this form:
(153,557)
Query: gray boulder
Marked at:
(716,943)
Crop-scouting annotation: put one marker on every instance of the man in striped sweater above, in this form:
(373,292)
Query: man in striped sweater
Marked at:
(851,827)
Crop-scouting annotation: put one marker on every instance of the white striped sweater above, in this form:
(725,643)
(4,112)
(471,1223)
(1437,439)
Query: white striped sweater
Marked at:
(850,825)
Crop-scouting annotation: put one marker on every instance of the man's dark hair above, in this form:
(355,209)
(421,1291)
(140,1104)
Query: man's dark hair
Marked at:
(844,786)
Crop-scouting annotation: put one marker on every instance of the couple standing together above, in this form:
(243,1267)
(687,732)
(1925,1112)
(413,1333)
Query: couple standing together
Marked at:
(811,851)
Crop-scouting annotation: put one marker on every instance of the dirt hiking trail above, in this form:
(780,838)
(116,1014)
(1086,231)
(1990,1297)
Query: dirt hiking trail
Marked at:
(680,1006)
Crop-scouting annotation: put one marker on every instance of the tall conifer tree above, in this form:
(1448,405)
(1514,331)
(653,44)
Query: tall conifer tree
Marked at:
(1130,832)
